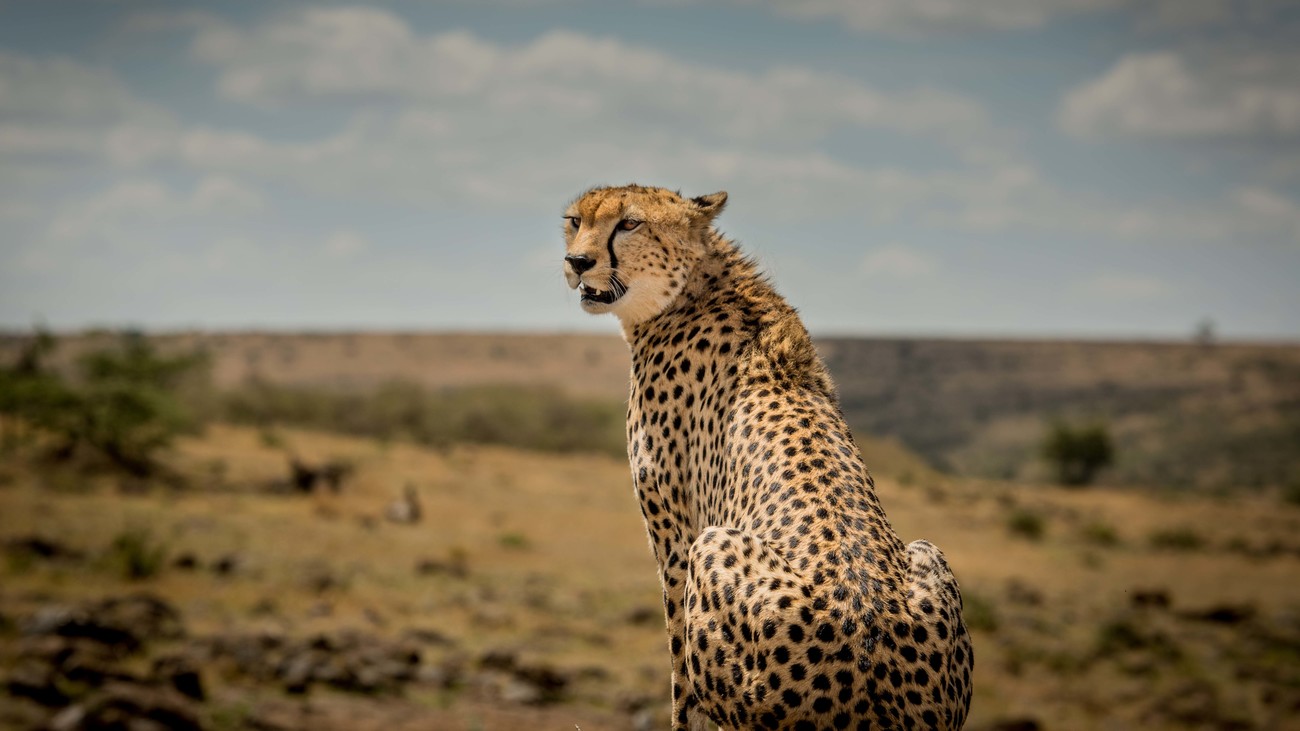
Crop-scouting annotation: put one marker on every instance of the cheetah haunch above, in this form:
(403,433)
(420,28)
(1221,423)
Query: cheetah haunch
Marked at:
(790,602)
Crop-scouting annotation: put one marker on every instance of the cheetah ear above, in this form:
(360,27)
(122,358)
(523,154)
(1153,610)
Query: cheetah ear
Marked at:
(710,205)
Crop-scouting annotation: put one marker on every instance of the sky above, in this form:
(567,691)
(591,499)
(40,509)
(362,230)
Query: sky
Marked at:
(1004,168)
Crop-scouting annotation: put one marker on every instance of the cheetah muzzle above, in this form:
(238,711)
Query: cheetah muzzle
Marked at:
(789,600)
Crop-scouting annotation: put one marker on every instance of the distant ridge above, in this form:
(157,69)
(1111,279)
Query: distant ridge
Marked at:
(1183,415)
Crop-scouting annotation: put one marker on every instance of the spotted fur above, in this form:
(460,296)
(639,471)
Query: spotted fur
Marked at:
(789,600)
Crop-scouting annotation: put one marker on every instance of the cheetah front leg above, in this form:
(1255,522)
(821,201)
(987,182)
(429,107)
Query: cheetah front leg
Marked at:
(743,606)
(686,715)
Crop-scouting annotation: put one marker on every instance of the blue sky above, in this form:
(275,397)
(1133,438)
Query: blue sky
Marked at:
(1097,168)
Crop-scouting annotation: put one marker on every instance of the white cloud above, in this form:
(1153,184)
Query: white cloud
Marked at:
(559,78)
(125,209)
(58,107)
(452,117)
(927,16)
(1124,286)
(1164,94)
(897,262)
(220,194)
(1268,208)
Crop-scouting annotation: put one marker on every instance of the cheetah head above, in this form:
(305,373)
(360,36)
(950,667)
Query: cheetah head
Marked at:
(629,250)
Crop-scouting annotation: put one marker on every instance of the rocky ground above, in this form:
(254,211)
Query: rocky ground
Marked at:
(479,588)
(128,662)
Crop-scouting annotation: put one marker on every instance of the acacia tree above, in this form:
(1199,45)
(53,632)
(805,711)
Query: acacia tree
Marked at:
(122,403)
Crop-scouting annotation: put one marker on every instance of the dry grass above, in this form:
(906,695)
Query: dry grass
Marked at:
(558,562)
(1181,414)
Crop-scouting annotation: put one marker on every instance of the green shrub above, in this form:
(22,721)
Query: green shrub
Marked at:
(1177,539)
(1077,454)
(531,417)
(1099,533)
(978,612)
(122,403)
(1291,493)
(517,541)
(135,554)
(1026,524)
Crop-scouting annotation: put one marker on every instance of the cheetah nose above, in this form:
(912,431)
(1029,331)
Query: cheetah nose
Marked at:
(580,263)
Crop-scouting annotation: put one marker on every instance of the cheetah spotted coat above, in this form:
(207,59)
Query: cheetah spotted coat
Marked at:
(789,600)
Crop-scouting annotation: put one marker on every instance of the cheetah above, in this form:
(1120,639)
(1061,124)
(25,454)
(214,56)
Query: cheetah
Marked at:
(788,598)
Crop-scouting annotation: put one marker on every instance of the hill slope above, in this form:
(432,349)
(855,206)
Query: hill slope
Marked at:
(1220,416)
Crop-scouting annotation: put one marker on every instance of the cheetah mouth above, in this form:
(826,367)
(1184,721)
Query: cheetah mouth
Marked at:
(602,296)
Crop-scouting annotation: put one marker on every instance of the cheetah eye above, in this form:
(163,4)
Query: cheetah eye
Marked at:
(628,224)
(574,222)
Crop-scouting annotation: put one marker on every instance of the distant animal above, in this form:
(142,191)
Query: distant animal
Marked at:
(405,509)
(789,600)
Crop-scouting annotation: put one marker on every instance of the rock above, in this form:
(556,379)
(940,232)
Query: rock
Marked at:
(550,681)
(186,562)
(181,674)
(1150,599)
(122,622)
(298,670)
(302,475)
(643,720)
(515,690)
(149,615)
(405,509)
(643,615)
(1222,614)
(43,548)
(71,718)
(425,636)
(447,674)
(1018,592)
(1014,724)
(135,707)
(335,472)
(320,579)
(456,566)
(373,616)
(227,565)
(37,683)
(499,659)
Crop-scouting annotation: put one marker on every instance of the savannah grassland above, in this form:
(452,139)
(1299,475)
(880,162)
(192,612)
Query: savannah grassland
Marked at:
(1121,606)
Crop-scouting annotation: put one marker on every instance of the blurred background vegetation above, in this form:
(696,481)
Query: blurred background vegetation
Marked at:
(1193,416)
(366,530)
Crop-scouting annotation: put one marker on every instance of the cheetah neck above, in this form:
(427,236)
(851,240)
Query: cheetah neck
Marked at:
(726,283)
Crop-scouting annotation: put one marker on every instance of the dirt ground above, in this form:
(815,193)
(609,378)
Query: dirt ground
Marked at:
(525,595)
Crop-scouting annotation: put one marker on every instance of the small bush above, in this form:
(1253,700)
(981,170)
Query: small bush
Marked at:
(1291,493)
(1177,539)
(516,541)
(134,553)
(979,612)
(1077,453)
(1100,533)
(123,402)
(1124,635)
(531,417)
(1026,524)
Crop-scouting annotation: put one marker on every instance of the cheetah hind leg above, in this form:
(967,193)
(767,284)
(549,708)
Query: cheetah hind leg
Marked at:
(743,605)
(934,601)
